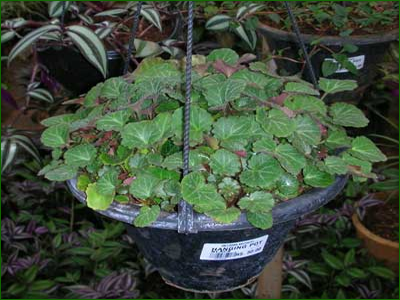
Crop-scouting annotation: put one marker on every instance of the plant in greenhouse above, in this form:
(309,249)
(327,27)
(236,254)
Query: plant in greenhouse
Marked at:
(256,139)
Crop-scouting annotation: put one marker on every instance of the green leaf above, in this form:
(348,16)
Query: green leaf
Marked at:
(96,200)
(329,67)
(317,178)
(224,162)
(195,191)
(364,166)
(112,88)
(162,174)
(382,272)
(55,136)
(200,124)
(145,133)
(343,280)
(143,187)
(93,94)
(90,46)
(218,90)
(332,261)
(30,274)
(108,182)
(263,171)
(335,165)
(258,85)
(265,144)
(225,216)
(306,103)
(300,88)
(225,54)
(80,156)
(61,119)
(232,129)
(347,115)
(356,273)
(62,173)
(147,48)
(350,257)
(276,122)
(113,121)
(218,22)
(365,149)
(29,39)
(288,186)
(262,220)
(257,202)
(307,131)
(41,285)
(337,138)
(147,215)
(82,182)
(290,158)
(331,86)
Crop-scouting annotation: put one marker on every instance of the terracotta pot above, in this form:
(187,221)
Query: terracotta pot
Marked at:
(378,247)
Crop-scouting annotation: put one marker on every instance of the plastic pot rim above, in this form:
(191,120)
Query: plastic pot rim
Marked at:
(283,212)
(375,38)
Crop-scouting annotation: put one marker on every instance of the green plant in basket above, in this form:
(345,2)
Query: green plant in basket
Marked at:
(256,140)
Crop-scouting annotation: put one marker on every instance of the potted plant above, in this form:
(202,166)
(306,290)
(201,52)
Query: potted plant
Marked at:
(346,40)
(376,223)
(263,153)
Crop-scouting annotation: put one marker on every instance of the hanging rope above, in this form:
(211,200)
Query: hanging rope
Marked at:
(185,210)
(132,36)
(301,43)
(62,17)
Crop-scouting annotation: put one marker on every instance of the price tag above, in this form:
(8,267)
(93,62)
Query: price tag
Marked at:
(357,61)
(228,251)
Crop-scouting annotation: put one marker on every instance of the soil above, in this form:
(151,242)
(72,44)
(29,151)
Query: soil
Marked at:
(383,220)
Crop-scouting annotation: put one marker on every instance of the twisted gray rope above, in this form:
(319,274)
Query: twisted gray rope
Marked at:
(301,43)
(185,210)
(132,36)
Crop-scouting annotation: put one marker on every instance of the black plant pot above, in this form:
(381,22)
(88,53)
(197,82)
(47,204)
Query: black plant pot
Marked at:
(371,51)
(186,262)
(70,68)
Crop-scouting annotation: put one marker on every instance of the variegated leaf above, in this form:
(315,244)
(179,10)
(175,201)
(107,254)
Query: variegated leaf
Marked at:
(86,19)
(42,95)
(27,144)
(249,36)
(218,22)
(248,9)
(112,12)
(7,35)
(90,46)
(146,48)
(8,152)
(151,15)
(29,39)
(56,8)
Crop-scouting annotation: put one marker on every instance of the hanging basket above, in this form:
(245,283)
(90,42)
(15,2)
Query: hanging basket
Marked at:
(238,254)
(370,52)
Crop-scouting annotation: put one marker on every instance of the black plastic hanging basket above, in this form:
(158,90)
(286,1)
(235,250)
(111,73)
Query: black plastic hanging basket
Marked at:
(240,251)
(194,253)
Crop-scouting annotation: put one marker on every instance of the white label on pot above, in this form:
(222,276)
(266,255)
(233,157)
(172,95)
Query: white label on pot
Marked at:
(357,61)
(233,250)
